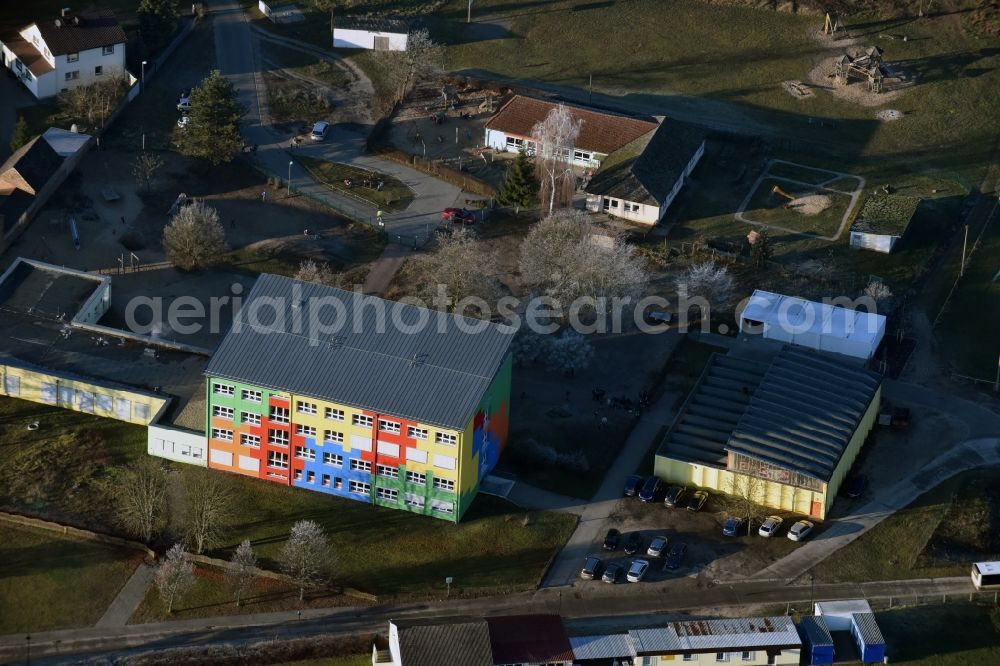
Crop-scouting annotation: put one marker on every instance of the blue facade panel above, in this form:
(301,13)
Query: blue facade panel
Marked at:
(818,642)
(323,477)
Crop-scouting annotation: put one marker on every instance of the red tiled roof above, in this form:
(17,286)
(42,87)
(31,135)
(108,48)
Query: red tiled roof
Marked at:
(602,131)
(26,52)
(81,31)
(518,639)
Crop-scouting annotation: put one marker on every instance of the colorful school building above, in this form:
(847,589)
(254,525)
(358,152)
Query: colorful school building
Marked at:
(383,402)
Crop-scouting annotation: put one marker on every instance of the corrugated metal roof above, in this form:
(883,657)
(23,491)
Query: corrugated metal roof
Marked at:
(804,412)
(720,634)
(463,644)
(362,351)
(816,632)
(613,646)
(868,628)
(518,639)
(662,640)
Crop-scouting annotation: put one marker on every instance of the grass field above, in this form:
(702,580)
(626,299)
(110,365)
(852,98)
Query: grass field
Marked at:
(50,582)
(62,470)
(943,635)
(303,64)
(393,196)
(940,534)
(767,208)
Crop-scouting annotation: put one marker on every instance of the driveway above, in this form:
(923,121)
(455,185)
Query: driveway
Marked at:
(238,60)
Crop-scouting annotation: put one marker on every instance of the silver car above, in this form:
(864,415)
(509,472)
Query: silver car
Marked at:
(770,526)
(801,530)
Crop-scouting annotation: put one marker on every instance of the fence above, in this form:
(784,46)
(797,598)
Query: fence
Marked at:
(898,601)
(77,533)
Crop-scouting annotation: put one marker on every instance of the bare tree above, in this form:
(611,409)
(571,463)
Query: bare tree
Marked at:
(95,102)
(463,269)
(555,138)
(422,59)
(315,271)
(208,504)
(880,293)
(744,498)
(145,167)
(242,571)
(195,237)
(174,577)
(306,557)
(564,257)
(708,281)
(141,496)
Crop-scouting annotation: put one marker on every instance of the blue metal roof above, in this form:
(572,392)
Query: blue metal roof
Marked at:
(868,629)
(817,634)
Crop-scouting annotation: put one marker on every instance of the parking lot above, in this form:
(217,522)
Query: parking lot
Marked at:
(710,556)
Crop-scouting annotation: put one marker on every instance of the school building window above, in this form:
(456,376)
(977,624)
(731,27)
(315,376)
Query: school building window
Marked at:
(333,437)
(359,488)
(221,434)
(304,453)
(445,438)
(277,459)
(388,426)
(223,389)
(333,459)
(362,420)
(361,466)
(416,433)
(222,412)
(416,477)
(252,419)
(251,396)
(387,471)
(279,414)
(444,484)
(277,437)
(386,494)
(305,431)
(253,441)
(305,407)
(334,414)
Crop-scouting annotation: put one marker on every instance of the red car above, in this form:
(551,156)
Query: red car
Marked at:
(458,216)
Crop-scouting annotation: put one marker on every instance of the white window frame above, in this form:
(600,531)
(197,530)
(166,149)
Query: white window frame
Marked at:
(414,432)
(444,484)
(446,439)
(332,414)
(304,453)
(417,478)
(387,471)
(281,440)
(248,440)
(305,407)
(251,396)
(222,412)
(360,465)
(305,431)
(222,434)
(391,427)
(362,420)
(73,57)
(251,418)
(415,500)
(108,50)
(359,487)
(386,494)
(748,655)
(279,414)
(333,460)
(277,460)
(721,657)
(223,389)
(333,436)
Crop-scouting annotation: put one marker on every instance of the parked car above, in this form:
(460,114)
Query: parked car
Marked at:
(612,573)
(637,571)
(801,530)
(855,486)
(184,104)
(632,485)
(633,544)
(458,216)
(697,500)
(649,489)
(319,131)
(675,496)
(592,568)
(611,539)
(676,556)
(657,546)
(770,526)
(734,527)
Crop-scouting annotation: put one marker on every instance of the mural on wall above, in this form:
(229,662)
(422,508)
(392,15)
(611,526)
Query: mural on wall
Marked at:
(489,435)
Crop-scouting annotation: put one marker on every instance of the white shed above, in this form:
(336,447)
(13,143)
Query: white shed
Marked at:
(839,614)
(373,34)
(820,326)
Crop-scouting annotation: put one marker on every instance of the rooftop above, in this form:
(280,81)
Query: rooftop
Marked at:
(362,351)
(26,52)
(868,628)
(645,170)
(517,639)
(798,316)
(371,24)
(64,142)
(460,644)
(610,646)
(886,214)
(80,31)
(30,167)
(602,131)
(815,630)
(797,412)
(37,305)
(730,634)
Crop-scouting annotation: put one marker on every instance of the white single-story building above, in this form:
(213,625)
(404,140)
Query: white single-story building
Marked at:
(66,51)
(287,13)
(815,325)
(883,221)
(601,132)
(639,181)
(373,34)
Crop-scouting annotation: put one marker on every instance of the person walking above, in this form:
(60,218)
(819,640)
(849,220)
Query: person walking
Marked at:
(263,196)
(378,217)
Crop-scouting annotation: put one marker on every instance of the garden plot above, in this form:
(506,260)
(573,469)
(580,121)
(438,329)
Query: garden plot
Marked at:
(801,200)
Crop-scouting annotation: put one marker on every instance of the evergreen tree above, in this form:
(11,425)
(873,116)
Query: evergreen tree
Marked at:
(760,248)
(520,187)
(21,134)
(157,20)
(213,129)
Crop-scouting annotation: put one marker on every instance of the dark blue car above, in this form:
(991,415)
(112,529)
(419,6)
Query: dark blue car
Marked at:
(632,485)
(649,489)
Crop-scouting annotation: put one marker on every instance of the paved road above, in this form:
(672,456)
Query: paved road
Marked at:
(606,601)
(238,59)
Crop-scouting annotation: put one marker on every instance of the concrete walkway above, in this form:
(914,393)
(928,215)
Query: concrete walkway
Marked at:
(127,602)
(384,268)
(238,60)
(593,515)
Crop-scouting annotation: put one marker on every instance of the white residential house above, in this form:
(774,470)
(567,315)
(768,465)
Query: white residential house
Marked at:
(57,53)
(371,33)
(639,181)
(601,132)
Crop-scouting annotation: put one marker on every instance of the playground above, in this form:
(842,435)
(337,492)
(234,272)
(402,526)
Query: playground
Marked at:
(801,200)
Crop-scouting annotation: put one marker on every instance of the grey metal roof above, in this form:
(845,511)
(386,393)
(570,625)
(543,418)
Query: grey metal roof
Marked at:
(816,632)
(462,644)
(371,24)
(868,629)
(804,412)
(729,634)
(612,646)
(361,351)
(661,640)
(713,408)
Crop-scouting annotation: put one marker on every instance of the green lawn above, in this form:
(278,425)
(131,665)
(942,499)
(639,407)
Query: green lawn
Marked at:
(943,635)
(766,207)
(939,534)
(393,196)
(51,582)
(304,64)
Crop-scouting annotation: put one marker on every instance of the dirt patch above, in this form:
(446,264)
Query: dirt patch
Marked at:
(811,204)
(889,114)
(857,91)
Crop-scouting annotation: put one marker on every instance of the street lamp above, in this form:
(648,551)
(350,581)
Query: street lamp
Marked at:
(290,177)
(142,79)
